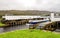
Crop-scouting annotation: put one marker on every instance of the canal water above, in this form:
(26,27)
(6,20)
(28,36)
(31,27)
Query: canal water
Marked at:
(11,28)
(19,27)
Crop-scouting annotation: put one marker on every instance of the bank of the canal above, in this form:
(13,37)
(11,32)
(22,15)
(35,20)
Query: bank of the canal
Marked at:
(29,34)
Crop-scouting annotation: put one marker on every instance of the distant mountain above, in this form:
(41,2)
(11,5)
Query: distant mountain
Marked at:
(27,12)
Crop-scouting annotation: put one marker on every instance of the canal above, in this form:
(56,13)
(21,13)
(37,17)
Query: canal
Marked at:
(20,27)
(11,28)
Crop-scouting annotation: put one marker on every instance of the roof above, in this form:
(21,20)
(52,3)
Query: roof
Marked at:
(20,17)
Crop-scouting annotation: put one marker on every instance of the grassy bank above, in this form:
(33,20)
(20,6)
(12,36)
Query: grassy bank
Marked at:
(1,24)
(29,34)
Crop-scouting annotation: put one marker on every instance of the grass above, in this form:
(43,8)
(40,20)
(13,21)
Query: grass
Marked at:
(29,34)
(1,24)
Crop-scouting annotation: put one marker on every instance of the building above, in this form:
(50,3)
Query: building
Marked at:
(54,17)
(21,17)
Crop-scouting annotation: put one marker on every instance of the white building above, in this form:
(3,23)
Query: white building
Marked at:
(54,18)
(21,17)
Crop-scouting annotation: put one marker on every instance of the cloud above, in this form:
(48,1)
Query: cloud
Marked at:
(51,5)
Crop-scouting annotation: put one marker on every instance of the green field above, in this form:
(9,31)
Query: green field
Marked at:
(29,34)
(1,24)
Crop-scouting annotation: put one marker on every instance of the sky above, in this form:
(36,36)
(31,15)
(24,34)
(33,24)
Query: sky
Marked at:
(49,5)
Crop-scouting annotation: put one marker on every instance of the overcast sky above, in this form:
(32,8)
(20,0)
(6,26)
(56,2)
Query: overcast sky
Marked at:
(51,5)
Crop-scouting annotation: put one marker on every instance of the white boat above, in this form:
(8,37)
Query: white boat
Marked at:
(31,22)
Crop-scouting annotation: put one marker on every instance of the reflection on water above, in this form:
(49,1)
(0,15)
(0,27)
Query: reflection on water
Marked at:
(1,30)
(11,28)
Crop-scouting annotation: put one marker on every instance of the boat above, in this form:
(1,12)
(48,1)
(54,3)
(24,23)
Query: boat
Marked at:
(31,22)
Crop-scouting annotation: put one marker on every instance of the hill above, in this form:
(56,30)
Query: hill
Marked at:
(27,12)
